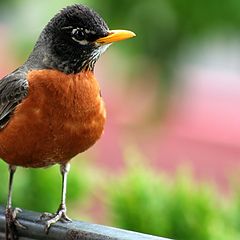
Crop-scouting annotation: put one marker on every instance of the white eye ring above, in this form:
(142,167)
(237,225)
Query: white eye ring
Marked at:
(75,30)
(82,42)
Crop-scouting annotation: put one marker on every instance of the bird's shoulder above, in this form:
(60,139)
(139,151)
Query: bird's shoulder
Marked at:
(13,89)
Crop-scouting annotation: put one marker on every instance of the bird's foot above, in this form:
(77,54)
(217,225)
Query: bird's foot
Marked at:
(12,223)
(51,219)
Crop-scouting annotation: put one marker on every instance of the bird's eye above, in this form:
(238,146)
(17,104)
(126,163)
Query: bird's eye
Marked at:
(78,35)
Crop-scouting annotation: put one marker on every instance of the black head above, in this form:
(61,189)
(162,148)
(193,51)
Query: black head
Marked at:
(73,40)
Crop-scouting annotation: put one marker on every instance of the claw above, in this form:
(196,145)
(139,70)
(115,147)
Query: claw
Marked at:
(65,218)
(51,219)
(12,223)
(45,216)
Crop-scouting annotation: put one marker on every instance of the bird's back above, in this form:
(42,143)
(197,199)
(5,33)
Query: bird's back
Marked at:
(62,116)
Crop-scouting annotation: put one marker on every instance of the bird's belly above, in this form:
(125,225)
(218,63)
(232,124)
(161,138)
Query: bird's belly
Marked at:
(54,123)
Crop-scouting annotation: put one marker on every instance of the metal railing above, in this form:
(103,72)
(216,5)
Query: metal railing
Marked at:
(75,230)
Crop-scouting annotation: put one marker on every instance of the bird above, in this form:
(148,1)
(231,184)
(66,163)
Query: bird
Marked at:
(51,107)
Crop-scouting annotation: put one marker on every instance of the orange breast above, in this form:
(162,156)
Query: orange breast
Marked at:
(62,116)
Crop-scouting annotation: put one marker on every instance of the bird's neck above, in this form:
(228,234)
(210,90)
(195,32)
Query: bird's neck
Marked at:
(42,58)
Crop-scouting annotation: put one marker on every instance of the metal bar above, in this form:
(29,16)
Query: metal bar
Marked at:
(76,230)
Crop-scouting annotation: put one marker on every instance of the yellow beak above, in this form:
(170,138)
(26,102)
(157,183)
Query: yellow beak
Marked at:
(115,36)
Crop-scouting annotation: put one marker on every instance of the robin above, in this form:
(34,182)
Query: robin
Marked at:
(51,107)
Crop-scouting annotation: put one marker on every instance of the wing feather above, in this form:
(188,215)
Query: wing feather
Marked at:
(13,89)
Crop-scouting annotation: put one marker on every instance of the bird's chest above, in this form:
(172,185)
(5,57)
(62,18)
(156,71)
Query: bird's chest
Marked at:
(62,116)
(69,107)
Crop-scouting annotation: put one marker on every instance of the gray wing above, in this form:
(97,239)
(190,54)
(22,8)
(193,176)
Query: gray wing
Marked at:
(13,88)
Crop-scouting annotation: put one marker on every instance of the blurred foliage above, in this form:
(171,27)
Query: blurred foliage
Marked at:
(234,213)
(179,208)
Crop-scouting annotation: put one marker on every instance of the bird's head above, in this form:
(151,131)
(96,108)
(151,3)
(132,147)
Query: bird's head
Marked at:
(74,39)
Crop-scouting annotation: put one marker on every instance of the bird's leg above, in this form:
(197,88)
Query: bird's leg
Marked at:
(11,214)
(60,215)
